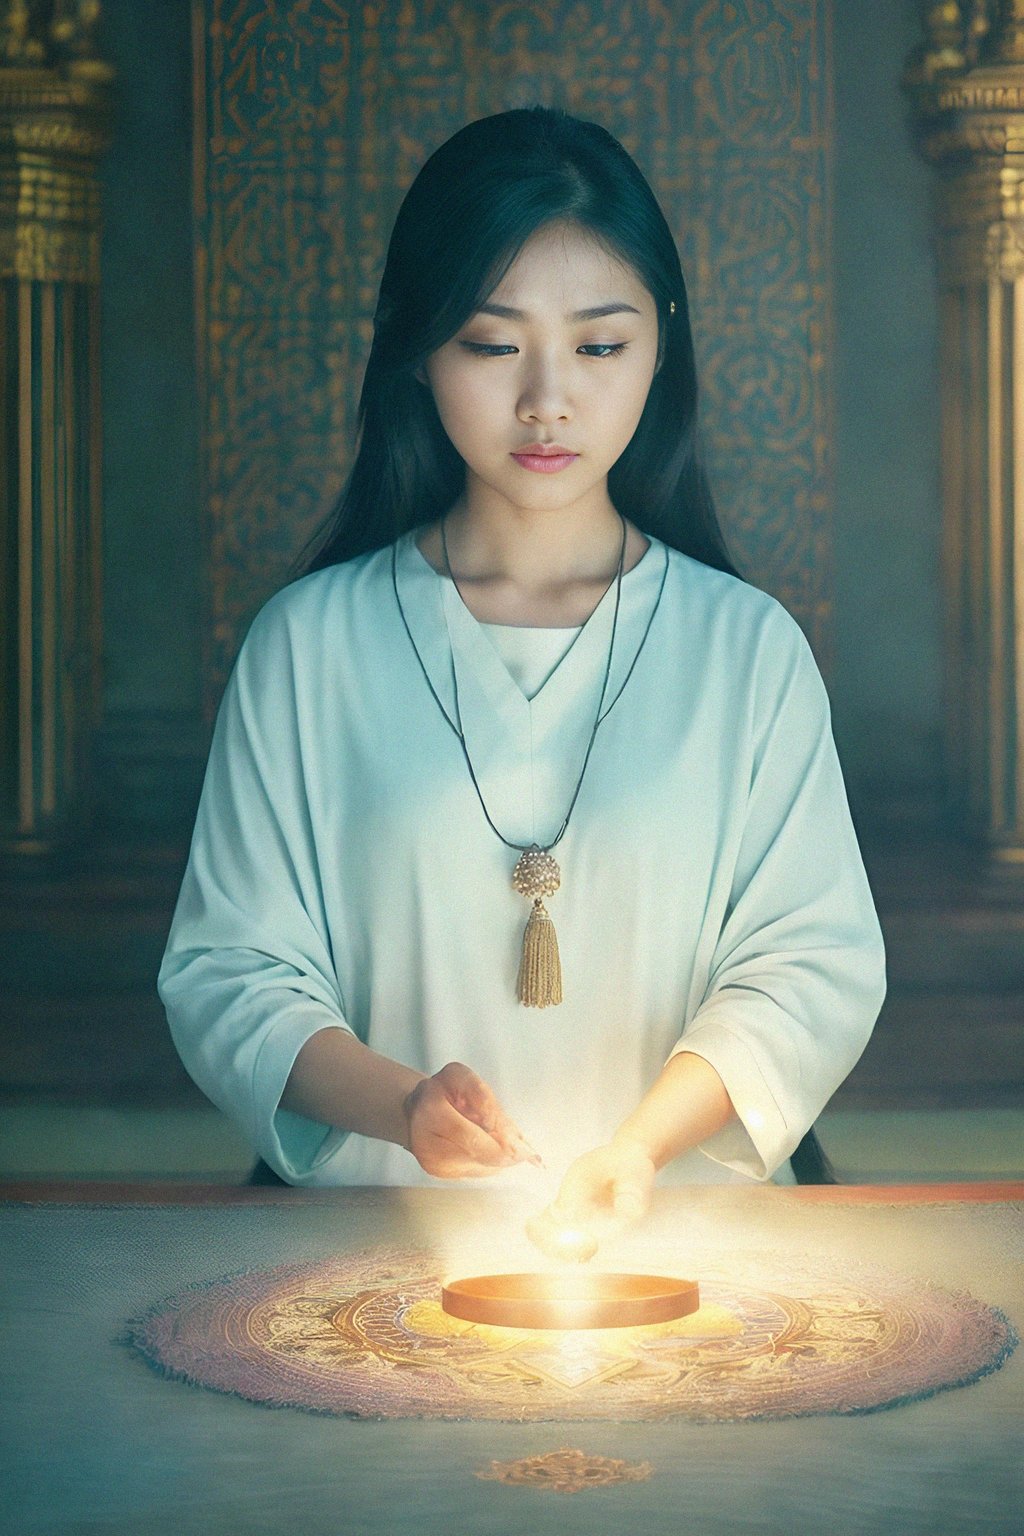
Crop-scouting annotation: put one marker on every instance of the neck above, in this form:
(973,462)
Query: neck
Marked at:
(533,551)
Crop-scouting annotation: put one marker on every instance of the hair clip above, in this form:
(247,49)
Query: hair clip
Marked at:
(672,306)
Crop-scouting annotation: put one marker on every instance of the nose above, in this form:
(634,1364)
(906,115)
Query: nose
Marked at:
(545,392)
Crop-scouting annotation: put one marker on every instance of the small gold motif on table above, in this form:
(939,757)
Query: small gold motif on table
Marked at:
(567,1471)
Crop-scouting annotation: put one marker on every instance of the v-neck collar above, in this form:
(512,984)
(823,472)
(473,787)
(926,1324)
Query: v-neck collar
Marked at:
(526,753)
(460,646)
(531,655)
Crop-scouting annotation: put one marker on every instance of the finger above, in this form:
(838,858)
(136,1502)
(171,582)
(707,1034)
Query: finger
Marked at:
(443,1161)
(512,1138)
(477,1101)
(460,1089)
(470,1140)
(438,1130)
(470,1095)
(525,1153)
(584,1193)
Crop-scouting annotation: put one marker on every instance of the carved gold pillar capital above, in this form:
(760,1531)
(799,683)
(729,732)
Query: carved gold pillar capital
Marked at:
(1008,32)
(54,115)
(943,46)
(966,83)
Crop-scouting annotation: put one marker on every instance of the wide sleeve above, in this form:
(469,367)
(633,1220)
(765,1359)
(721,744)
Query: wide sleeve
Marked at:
(797,976)
(247,976)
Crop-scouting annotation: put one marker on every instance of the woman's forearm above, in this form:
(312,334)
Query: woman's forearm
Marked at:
(337,1080)
(686,1104)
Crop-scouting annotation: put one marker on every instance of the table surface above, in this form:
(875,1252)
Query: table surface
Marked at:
(92,1440)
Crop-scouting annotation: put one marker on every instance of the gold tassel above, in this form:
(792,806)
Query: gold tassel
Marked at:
(540,970)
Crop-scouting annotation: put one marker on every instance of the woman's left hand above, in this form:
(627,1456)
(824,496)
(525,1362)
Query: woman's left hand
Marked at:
(603,1192)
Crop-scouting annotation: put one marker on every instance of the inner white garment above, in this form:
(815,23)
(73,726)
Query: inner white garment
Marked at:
(530,655)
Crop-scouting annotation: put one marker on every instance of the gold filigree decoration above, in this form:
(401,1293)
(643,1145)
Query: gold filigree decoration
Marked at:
(58,35)
(567,1470)
(959,36)
(1005,251)
(981,95)
(54,126)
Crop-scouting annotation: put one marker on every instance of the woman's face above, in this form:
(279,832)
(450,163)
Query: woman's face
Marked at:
(540,373)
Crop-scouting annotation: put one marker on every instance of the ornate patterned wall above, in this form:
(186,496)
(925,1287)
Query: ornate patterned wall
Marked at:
(311,120)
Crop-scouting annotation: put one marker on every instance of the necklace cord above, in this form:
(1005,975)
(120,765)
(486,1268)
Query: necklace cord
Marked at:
(457,728)
(521,847)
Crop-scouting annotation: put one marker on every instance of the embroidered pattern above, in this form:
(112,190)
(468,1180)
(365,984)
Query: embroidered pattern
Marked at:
(365,1334)
(567,1471)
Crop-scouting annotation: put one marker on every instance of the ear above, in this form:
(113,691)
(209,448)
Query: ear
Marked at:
(420,375)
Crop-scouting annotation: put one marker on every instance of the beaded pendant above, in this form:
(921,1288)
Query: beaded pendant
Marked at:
(535,876)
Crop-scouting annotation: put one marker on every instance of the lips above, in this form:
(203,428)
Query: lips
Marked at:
(545,458)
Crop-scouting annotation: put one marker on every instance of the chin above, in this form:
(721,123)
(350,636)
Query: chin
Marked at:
(552,493)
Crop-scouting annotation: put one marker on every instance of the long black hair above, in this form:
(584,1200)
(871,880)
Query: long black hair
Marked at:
(463,221)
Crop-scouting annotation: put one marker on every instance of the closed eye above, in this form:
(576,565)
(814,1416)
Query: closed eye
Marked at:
(483,350)
(598,348)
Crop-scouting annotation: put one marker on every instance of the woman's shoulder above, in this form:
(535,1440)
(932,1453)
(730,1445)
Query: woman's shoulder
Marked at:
(718,601)
(307,604)
(749,644)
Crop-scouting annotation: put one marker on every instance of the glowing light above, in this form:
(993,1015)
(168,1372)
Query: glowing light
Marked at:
(575,1300)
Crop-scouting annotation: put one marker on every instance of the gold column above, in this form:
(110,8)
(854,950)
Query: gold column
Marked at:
(53,129)
(966,83)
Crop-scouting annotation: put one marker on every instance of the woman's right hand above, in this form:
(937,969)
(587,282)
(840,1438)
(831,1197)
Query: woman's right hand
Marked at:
(457,1128)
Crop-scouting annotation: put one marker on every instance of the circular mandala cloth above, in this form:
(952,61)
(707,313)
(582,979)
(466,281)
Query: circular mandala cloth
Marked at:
(365,1335)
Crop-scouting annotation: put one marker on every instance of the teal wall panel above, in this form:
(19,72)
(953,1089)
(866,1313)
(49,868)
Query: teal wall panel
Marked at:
(888,640)
(151,425)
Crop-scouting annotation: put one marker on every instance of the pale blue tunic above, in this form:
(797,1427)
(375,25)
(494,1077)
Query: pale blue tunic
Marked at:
(342,873)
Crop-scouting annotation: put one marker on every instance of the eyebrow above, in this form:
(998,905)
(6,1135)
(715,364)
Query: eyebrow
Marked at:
(616,307)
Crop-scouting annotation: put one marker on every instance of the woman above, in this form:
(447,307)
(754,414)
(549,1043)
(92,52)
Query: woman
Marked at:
(521,665)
